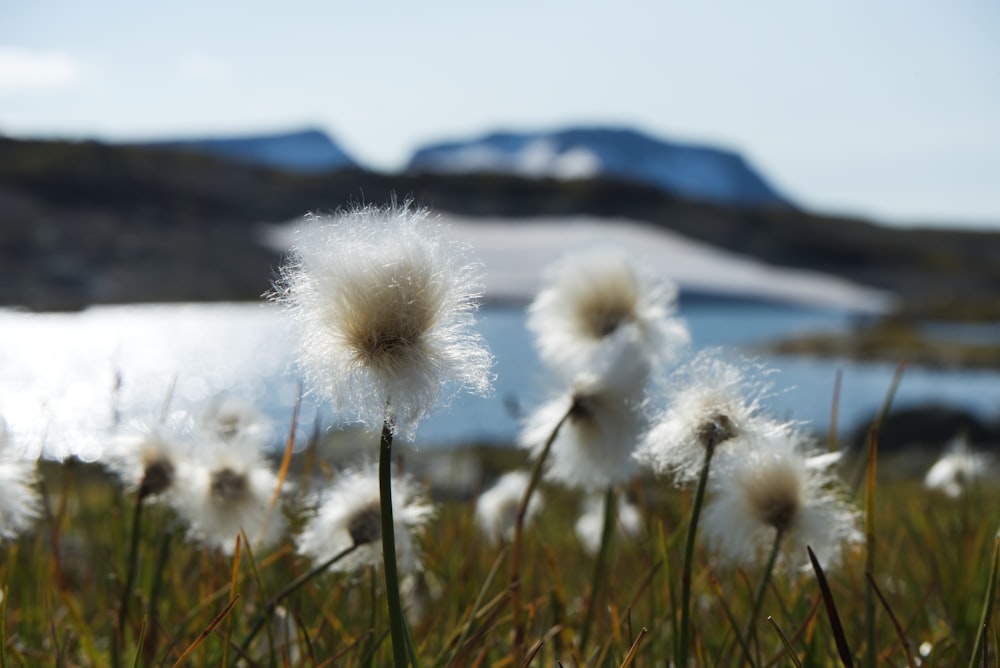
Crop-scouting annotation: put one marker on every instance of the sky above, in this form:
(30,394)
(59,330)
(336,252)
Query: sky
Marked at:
(888,109)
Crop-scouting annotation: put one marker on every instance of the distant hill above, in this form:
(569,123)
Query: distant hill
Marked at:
(695,172)
(86,222)
(307,151)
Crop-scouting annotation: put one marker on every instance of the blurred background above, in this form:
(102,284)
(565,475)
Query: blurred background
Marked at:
(820,181)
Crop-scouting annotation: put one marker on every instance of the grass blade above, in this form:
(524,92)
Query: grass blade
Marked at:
(207,631)
(990,599)
(843,649)
(895,622)
(790,652)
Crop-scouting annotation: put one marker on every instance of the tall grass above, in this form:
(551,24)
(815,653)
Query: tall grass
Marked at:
(73,598)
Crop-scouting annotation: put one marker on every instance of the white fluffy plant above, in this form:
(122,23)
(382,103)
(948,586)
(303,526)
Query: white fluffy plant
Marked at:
(588,296)
(602,326)
(383,303)
(19,500)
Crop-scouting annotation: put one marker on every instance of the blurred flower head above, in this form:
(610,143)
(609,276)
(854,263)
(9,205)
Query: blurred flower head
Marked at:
(232,419)
(19,501)
(348,514)
(712,404)
(590,295)
(599,420)
(590,524)
(224,489)
(146,457)
(958,468)
(496,508)
(384,309)
(778,488)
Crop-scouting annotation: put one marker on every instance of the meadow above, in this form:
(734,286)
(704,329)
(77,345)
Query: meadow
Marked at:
(66,601)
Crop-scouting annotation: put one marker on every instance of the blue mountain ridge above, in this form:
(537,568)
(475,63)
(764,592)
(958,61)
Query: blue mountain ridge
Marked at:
(305,151)
(689,170)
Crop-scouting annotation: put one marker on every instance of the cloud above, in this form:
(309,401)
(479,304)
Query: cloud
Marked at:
(23,70)
(204,68)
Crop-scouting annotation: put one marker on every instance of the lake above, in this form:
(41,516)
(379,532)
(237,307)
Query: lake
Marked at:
(69,378)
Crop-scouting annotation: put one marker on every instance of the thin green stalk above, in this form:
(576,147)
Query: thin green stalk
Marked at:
(130,566)
(522,511)
(272,603)
(988,603)
(765,579)
(396,620)
(699,499)
(600,566)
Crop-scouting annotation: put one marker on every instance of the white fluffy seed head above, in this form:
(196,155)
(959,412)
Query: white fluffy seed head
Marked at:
(587,296)
(226,489)
(604,411)
(19,500)
(348,513)
(590,525)
(496,508)
(776,487)
(713,403)
(384,306)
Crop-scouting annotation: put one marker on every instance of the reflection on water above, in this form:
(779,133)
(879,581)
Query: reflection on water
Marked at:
(67,379)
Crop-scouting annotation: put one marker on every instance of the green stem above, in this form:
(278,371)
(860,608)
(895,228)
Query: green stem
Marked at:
(600,566)
(699,499)
(396,620)
(515,568)
(273,602)
(758,596)
(130,567)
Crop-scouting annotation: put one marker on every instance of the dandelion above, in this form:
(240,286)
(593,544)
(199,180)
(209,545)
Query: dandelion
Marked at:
(590,524)
(958,468)
(348,515)
(224,491)
(590,295)
(779,494)
(19,501)
(596,424)
(384,306)
(714,403)
(496,508)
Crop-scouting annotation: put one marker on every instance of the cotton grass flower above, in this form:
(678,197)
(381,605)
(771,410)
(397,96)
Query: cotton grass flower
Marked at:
(19,501)
(384,308)
(588,296)
(958,468)
(590,524)
(225,490)
(348,515)
(598,420)
(146,458)
(779,493)
(232,419)
(713,403)
(496,508)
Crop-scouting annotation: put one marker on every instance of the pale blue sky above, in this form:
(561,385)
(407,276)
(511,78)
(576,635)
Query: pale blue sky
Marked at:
(885,108)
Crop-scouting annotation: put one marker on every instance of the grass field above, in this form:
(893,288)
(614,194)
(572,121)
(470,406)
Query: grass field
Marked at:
(66,602)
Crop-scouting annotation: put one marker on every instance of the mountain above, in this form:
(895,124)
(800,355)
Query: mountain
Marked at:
(692,171)
(307,151)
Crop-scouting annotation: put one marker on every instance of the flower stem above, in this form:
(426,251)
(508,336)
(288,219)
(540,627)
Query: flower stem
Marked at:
(699,499)
(396,620)
(600,566)
(272,603)
(515,568)
(765,579)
